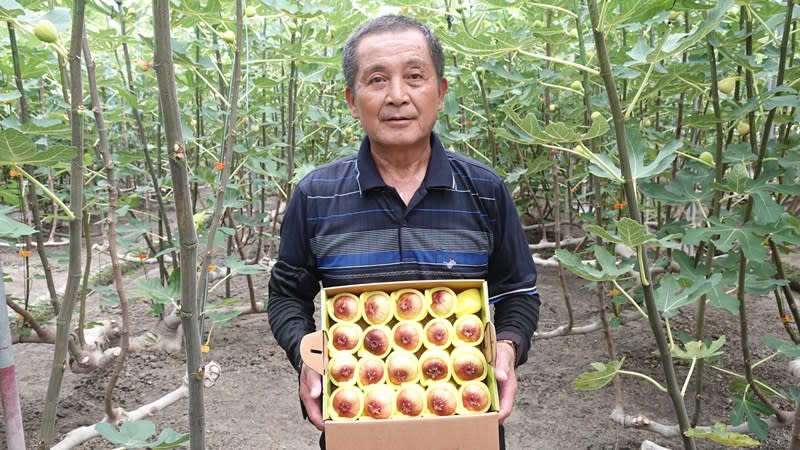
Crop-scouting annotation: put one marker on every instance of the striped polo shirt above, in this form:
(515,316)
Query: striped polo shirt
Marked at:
(346,226)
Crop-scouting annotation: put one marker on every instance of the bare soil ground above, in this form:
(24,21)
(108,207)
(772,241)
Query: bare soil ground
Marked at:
(254,405)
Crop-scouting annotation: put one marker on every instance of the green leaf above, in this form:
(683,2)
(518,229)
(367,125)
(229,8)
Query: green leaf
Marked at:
(699,350)
(675,44)
(573,263)
(603,234)
(748,410)
(633,233)
(670,296)
(132,434)
(601,376)
(11,229)
(169,439)
(726,235)
(608,265)
(153,290)
(682,189)
(16,148)
(637,152)
(784,348)
(719,434)
(239,267)
(737,178)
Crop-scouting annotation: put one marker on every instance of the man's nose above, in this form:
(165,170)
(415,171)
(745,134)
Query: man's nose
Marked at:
(398,93)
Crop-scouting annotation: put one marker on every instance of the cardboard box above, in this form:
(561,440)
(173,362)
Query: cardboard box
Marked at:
(477,431)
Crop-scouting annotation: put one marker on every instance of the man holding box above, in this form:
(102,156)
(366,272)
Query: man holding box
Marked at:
(403,208)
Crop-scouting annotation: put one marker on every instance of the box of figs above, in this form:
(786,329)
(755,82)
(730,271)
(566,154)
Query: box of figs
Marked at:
(406,365)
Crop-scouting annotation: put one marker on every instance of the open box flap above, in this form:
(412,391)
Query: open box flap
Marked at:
(311,350)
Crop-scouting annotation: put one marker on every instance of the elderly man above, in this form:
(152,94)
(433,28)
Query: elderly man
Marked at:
(403,208)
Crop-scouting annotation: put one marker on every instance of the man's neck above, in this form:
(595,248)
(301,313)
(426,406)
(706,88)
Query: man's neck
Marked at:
(403,169)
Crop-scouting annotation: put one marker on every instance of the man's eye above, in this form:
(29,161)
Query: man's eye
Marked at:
(375,79)
(415,76)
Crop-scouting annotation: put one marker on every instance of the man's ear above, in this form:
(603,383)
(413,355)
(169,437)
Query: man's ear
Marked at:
(442,91)
(351,102)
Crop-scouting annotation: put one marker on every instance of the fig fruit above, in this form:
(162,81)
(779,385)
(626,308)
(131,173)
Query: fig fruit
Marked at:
(468,329)
(371,370)
(576,85)
(468,363)
(410,400)
(407,335)
(347,402)
(434,365)
(442,399)
(402,367)
(596,115)
(707,158)
(344,337)
(437,333)
(474,397)
(409,305)
(377,340)
(726,85)
(342,368)
(440,302)
(379,401)
(45,31)
(228,36)
(743,128)
(377,307)
(250,11)
(344,307)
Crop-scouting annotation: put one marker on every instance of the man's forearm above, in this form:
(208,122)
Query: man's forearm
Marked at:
(290,308)
(516,318)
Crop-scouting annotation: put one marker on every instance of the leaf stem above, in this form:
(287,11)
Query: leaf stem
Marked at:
(46,191)
(688,377)
(658,385)
(630,299)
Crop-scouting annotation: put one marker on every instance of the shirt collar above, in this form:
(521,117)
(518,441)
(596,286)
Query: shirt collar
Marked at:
(439,173)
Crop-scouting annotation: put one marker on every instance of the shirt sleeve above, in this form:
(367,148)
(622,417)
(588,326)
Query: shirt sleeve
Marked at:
(293,284)
(512,278)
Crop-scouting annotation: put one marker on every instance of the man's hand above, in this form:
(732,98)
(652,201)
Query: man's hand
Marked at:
(506,379)
(311,395)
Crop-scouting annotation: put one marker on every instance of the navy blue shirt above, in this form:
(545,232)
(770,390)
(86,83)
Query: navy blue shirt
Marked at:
(345,225)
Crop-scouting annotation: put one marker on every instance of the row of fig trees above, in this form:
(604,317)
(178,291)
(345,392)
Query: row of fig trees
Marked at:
(653,146)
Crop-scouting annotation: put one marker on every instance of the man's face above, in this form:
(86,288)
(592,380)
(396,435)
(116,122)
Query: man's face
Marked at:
(397,94)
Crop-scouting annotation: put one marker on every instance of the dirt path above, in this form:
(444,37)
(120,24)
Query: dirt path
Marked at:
(254,406)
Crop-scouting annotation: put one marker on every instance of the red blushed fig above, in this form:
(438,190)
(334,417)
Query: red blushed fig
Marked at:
(344,308)
(468,364)
(402,367)
(346,402)
(377,307)
(410,400)
(434,365)
(475,397)
(345,337)
(342,368)
(441,301)
(468,330)
(379,401)
(437,333)
(377,340)
(442,399)
(407,335)
(409,305)
(371,370)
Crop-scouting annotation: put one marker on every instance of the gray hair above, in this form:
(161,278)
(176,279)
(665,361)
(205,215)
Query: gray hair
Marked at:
(383,24)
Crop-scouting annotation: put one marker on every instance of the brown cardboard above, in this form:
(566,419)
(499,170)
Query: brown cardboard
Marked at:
(462,432)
